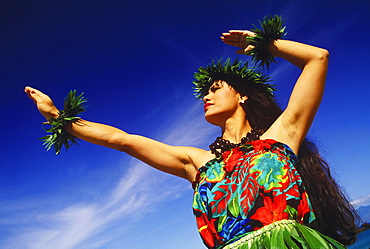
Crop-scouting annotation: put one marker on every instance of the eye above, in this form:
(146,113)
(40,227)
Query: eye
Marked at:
(214,88)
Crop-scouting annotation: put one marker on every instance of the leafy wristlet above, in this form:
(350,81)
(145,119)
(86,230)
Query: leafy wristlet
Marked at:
(73,105)
(271,29)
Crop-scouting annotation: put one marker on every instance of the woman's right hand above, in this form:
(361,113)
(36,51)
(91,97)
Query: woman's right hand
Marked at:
(43,103)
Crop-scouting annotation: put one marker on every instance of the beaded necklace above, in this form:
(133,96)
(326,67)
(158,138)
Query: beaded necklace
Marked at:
(221,145)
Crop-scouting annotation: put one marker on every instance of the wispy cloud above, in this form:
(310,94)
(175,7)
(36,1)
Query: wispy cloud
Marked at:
(77,224)
(190,128)
(363,201)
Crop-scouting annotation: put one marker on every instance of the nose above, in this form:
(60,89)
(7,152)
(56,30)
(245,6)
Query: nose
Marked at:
(206,98)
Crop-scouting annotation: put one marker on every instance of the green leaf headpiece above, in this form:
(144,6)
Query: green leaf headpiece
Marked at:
(237,74)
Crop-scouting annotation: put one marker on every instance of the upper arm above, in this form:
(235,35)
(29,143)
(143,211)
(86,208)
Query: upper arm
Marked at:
(177,160)
(292,126)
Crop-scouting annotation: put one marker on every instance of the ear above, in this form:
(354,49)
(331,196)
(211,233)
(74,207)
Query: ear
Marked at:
(243,99)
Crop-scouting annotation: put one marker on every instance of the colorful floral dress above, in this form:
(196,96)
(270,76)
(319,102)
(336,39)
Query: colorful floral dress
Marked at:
(246,189)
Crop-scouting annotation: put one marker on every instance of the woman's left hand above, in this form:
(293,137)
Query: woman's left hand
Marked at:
(238,38)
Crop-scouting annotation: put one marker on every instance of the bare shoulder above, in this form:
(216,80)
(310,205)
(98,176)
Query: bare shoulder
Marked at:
(198,158)
(283,132)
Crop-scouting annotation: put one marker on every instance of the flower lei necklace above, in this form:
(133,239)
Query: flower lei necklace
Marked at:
(221,145)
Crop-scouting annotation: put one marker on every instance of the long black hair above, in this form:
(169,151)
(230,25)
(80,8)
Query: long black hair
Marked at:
(335,216)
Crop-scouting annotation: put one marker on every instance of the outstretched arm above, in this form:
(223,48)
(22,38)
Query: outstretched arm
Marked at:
(176,160)
(292,126)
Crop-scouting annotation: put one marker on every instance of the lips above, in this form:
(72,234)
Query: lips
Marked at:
(206,105)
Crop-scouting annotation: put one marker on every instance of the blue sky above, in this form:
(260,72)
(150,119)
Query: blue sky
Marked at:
(135,60)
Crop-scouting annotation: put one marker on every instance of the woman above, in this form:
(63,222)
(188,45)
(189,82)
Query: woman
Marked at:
(250,194)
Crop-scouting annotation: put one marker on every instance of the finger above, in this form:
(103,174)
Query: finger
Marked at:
(237,37)
(234,31)
(30,91)
(242,32)
(249,48)
(34,94)
(27,89)
(240,51)
(231,39)
(232,35)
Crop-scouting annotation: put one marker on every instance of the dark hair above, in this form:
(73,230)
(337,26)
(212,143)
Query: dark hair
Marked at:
(335,216)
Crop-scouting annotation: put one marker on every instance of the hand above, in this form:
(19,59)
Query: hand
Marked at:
(43,102)
(238,39)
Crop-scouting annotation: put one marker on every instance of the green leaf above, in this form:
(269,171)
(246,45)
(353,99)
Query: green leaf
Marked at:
(271,29)
(73,104)
(292,212)
(234,207)
(221,222)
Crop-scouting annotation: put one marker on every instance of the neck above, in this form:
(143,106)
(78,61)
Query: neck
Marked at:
(234,130)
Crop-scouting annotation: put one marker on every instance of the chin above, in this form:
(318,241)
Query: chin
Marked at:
(214,119)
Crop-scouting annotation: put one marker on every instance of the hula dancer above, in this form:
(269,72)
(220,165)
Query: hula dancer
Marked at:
(262,184)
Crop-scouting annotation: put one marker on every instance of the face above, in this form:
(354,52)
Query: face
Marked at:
(221,103)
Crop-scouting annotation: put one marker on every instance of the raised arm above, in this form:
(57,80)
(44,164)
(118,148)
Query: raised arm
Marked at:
(308,90)
(176,160)
(292,126)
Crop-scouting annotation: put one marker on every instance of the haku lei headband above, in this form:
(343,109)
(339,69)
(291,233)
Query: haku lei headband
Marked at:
(234,73)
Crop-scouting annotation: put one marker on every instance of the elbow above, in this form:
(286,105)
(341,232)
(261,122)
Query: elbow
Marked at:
(319,57)
(323,55)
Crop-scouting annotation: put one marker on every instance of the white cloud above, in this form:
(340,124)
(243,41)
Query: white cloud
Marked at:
(190,128)
(77,222)
(84,224)
(363,201)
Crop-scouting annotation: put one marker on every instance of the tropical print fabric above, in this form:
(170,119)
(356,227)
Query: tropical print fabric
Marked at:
(247,188)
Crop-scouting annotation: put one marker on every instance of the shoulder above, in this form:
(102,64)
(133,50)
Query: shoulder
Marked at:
(282,131)
(197,158)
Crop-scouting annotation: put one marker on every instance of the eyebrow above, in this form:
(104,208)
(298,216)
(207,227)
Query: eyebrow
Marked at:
(214,85)
(217,83)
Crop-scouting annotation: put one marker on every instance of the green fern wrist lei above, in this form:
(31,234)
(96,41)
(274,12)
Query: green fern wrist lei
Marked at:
(271,29)
(73,105)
